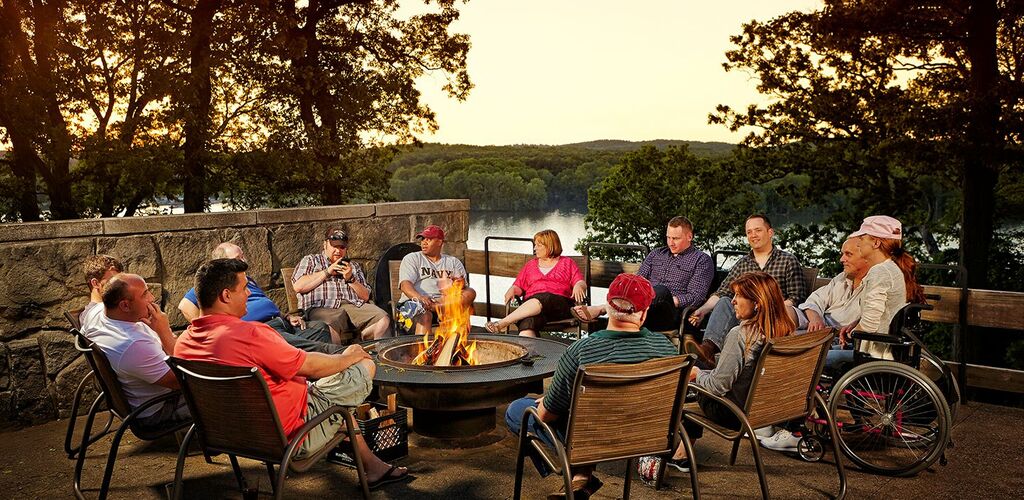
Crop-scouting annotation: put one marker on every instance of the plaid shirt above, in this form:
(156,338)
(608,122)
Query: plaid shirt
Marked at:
(333,292)
(781,265)
(687,275)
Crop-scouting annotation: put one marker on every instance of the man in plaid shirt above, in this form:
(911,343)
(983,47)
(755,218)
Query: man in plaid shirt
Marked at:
(333,289)
(763,256)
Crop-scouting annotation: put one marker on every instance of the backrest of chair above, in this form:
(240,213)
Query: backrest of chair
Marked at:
(810,277)
(232,408)
(626,410)
(785,378)
(105,375)
(393,270)
(289,290)
(73,318)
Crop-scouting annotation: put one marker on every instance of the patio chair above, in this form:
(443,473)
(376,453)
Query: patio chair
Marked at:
(289,290)
(118,406)
(618,412)
(234,414)
(783,389)
(72,451)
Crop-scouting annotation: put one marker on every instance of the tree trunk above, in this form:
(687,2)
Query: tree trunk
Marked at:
(197,118)
(984,143)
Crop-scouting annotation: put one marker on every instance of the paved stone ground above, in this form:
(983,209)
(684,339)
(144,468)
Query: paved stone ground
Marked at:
(987,462)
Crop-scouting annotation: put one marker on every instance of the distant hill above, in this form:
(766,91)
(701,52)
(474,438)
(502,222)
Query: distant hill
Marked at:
(712,148)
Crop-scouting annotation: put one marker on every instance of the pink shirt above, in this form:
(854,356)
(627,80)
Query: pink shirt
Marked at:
(225,339)
(559,280)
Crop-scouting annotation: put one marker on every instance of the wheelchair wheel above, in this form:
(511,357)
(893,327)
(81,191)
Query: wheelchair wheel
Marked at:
(810,448)
(892,420)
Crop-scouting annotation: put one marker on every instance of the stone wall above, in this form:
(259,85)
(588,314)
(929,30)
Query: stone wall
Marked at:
(41,275)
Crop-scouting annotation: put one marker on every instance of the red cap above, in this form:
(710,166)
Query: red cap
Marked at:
(630,293)
(431,231)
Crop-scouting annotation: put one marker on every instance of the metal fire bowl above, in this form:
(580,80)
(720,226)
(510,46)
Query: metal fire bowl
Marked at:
(457,403)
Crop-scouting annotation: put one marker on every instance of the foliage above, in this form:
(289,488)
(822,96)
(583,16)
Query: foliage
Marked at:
(489,183)
(635,201)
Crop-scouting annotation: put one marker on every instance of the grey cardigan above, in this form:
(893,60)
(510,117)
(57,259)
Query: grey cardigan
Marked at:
(735,369)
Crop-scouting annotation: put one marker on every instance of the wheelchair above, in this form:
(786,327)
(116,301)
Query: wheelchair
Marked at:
(894,417)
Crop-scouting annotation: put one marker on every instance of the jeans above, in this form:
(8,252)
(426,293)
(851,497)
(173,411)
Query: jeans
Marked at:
(722,319)
(316,337)
(839,358)
(514,420)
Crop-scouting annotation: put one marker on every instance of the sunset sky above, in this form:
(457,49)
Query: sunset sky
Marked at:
(562,71)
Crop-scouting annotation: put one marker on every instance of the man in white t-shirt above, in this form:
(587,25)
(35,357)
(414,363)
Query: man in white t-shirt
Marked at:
(425,274)
(98,271)
(136,337)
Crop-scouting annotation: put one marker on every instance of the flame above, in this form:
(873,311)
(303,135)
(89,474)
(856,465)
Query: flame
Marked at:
(453,320)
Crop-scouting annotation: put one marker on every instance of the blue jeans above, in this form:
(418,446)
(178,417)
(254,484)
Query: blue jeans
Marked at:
(839,358)
(514,419)
(722,319)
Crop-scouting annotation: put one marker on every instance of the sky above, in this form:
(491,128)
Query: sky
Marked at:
(564,71)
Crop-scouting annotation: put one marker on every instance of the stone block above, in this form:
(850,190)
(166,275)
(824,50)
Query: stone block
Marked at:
(5,368)
(180,255)
(65,385)
(182,222)
(279,297)
(370,238)
(289,243)
(27,231)
(58,350)
(457,248)
(38,281)
(422,207)
(138,254)
(6,409)
(28,373)
(307,214)
(254,241)
(455,224)
(34,407)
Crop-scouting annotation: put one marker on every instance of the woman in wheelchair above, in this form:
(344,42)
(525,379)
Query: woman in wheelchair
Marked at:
(888,285)
(550,285)
(761,310)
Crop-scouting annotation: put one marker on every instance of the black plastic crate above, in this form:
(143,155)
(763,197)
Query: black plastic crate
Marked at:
(387,436)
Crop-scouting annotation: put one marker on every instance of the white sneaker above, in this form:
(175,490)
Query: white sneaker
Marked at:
(781,441)
(764,432)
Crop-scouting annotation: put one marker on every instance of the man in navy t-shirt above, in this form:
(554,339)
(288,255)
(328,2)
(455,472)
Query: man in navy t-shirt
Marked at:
(314,336)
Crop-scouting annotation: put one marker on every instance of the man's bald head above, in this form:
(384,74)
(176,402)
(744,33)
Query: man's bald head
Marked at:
(119,288)
(228,250)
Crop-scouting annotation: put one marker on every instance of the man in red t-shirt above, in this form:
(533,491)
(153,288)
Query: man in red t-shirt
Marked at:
(219,335)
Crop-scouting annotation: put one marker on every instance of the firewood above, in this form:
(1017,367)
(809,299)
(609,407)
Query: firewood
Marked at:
(373,413)
(392,403)
(429,355)
(363,411)
(450,344)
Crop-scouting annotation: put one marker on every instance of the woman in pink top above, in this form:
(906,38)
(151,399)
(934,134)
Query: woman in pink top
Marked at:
(551,285)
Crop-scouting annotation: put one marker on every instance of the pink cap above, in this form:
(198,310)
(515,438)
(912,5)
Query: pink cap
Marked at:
(880,226)
(630,293)
(431,231)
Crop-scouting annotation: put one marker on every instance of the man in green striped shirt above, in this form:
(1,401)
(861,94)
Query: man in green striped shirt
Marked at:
(625,341)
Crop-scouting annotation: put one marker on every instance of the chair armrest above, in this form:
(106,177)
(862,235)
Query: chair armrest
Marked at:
(688,415)
(876,337)
(314,423)
(524,430)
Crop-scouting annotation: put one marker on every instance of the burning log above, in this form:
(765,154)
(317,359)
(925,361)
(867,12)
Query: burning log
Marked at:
(429,355)
(449,352)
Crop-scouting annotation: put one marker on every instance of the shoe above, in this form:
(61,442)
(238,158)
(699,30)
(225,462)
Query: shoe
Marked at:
(389,477)
(705,352)
(581,490)
(681,465)
(781,441)
(764,432)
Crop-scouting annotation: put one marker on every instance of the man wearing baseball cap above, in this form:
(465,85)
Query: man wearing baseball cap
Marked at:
(333,289)
(625,341)
(425,274)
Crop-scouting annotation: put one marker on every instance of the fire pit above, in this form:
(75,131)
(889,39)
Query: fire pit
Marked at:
(458,402)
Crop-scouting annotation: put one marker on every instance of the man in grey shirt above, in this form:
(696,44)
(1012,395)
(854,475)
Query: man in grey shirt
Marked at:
(426,274)
(836,304)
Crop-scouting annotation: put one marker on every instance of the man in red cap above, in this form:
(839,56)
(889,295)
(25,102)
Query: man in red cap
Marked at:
(425,274)
(625,341)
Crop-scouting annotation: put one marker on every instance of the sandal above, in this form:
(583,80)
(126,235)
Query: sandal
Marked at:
(582,314)
(388,478)
(493,327)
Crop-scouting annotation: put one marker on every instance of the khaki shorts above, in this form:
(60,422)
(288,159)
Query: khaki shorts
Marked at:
(348,318)
(348,388)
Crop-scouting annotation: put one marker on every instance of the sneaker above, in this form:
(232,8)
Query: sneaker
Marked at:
(681,465)
(764,432)
(781,441)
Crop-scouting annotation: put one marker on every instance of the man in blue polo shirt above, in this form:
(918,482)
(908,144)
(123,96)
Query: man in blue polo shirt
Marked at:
(312,336)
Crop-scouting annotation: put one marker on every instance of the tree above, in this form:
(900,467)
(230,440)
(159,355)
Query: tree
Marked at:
(888,103)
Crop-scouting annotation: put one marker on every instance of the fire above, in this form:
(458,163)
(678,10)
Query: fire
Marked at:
(449,345)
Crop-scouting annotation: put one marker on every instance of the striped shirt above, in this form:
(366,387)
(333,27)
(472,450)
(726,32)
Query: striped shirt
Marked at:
(687,274)
(605,346)
(333,292)
(781,265)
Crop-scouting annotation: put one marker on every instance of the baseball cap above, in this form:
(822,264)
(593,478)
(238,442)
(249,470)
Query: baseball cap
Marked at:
(880,226)
(336,236)
(431,231)
(630,293)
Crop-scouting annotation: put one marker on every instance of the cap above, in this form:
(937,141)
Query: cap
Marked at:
(880,226)
(630,293)
(431,231)
(335,236)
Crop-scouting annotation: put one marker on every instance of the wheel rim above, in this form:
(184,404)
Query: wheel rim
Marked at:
(891,419)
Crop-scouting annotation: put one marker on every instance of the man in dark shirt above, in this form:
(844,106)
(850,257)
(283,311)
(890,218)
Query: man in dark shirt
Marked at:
(763,256)
(625,341)
(680,274)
